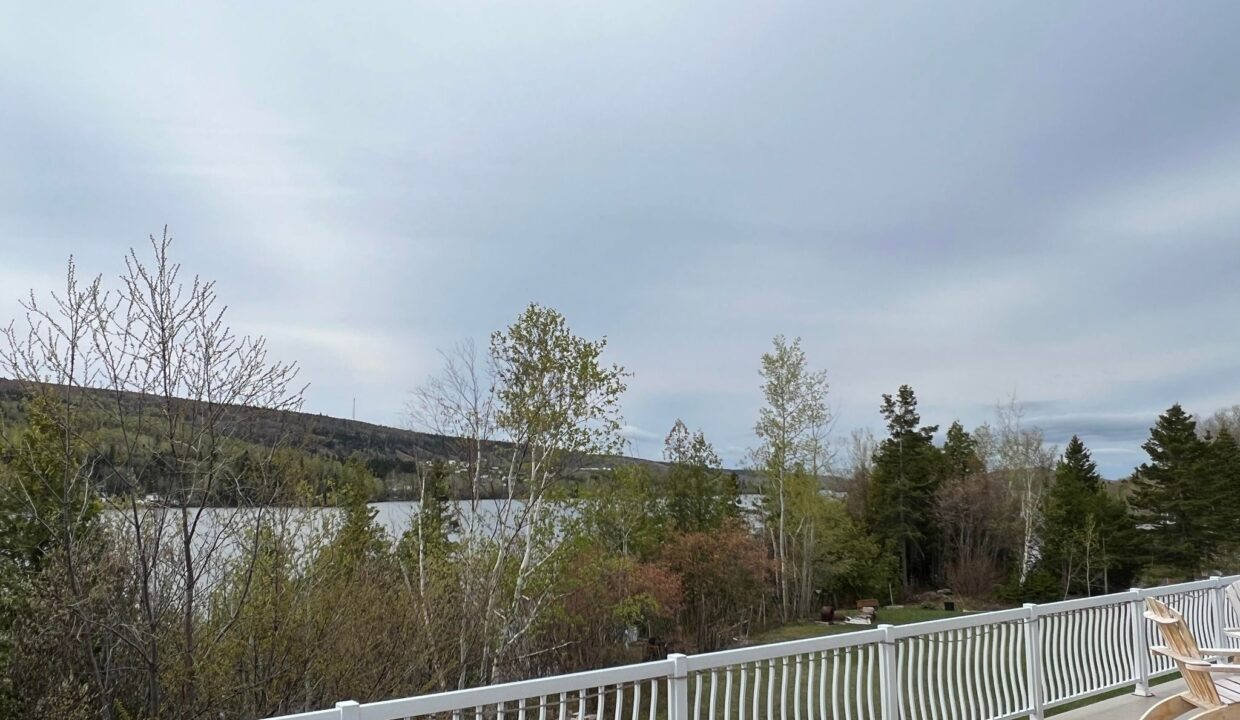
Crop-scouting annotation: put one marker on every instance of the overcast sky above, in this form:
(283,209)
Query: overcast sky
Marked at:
(977,199)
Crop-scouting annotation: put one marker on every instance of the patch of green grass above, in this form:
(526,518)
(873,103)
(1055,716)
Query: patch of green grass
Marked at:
(887,616)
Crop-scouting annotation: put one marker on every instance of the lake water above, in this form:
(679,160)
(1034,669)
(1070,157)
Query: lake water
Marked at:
(221,529)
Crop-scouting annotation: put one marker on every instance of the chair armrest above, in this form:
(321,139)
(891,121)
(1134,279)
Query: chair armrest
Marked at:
(1224,668)
(1191,664)
(1221,652)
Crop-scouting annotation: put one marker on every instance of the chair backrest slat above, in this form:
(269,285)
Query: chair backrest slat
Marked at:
(1180,640)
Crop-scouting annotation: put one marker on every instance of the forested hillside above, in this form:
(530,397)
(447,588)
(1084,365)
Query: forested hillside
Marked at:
(319,444)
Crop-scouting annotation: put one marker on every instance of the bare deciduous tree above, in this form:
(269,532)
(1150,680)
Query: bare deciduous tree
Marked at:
(154,362)
(1026,462)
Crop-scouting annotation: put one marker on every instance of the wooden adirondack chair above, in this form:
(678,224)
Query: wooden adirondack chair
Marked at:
(1209,686)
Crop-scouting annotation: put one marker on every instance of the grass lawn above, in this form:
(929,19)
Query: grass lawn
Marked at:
(887,616)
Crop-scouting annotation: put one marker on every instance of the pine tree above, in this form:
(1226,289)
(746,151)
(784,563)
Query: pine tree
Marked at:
(1173,500)
(905,478)
(434,511)
(1223,460)
(1085,533)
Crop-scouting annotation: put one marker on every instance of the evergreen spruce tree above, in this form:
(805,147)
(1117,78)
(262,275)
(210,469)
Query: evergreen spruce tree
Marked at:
(1223,460)
(1086,535)
(903,484)
(959,453)
(434,511)
(1173,500)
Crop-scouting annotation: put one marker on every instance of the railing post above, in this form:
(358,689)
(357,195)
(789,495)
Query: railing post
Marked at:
(678,688)
(1218,607)
(1140,646)
(349,710)
(889,673)
(1033,662)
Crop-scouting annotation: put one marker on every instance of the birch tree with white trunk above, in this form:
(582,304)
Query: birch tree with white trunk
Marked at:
(543,407)
(791,429)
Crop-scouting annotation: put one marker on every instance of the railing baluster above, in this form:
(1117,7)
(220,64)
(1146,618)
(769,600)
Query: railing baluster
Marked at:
(809,688)
(870,686)
(836,693)
(796,690)
(697,696)
(742,703)
(714,691)
(822,685)
(921,667)
(770,690)
(848,683)
(757,688)
(950,647)
(985,660)
(783,688)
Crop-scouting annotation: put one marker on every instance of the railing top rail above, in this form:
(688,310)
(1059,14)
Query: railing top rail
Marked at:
(1085,603)
(1189,586)
(971,620)
(330,714)
(514,691)
(758,653)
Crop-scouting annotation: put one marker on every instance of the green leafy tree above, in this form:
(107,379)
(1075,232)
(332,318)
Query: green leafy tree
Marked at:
(46,501)
(49,518)
(626,513)
(903,484)
(1173,498)
(559,406)
(849,563)
(700,495)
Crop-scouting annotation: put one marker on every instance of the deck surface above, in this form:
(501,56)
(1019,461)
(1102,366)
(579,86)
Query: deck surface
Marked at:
(1126,707)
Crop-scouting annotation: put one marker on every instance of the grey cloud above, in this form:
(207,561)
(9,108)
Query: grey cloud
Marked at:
(975,198)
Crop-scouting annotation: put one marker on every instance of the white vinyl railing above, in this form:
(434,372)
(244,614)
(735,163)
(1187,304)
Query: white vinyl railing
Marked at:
(985,666)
